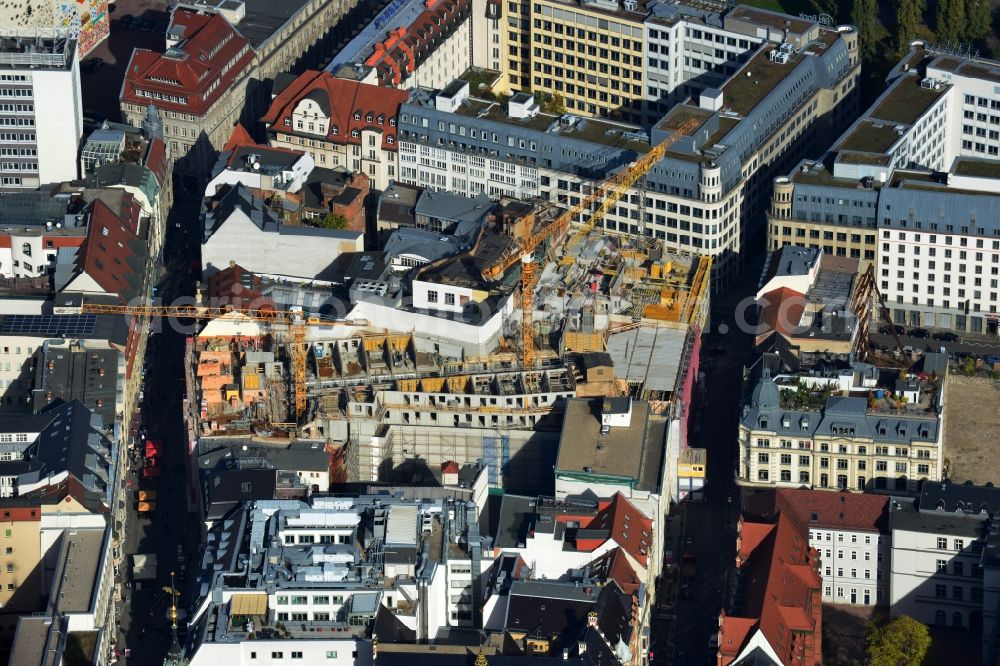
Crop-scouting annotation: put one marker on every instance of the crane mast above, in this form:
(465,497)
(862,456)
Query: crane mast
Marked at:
(605,195)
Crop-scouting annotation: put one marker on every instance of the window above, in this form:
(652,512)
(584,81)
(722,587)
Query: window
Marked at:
(449,299)
(942,566)
(942,543)
(432,297)
(940,591)
(277,655)
(296,655)
(331,654)
(959,544)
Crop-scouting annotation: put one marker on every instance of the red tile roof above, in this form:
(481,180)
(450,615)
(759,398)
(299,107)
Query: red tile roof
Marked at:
(156,160)
(627,526)
(782,593)
(832,510)
(238,137)
(405,48)
(192,75)
(350,103)
(450,467)
(620,571)
(113,254)
(782,311)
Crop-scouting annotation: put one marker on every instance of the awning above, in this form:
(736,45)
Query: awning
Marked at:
(248,604)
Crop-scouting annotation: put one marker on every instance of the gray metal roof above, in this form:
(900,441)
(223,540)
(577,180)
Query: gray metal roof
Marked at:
(764,412)
(906,517)
(453,207)
(977,214)
(421,243)
(398,14)
(795,260)
(648,355)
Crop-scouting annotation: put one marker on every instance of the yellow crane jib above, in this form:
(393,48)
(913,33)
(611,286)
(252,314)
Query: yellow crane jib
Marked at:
(605,195)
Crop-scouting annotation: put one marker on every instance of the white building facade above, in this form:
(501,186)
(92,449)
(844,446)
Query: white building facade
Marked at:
(854,565)
(935,574)
(41,113)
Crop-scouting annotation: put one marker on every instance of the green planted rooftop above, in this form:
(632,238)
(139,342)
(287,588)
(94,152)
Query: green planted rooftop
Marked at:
(871,137)
(906,102)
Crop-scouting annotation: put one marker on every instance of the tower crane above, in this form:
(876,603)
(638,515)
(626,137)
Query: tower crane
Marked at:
(867,295)
(606,194)
(295,321)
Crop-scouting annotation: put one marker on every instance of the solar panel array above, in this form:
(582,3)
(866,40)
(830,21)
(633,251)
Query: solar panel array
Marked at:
(62,325)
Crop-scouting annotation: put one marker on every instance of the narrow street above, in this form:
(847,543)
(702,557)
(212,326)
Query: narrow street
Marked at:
(710,527)
(171,533)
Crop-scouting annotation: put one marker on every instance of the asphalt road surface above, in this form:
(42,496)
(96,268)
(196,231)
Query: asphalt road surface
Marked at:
(710,527)
(172,533)
(981,345)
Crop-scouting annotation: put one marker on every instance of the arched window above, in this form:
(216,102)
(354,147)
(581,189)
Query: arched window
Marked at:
(956,619)
(939,617)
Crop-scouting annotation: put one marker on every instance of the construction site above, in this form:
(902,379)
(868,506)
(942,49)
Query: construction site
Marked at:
(577,312)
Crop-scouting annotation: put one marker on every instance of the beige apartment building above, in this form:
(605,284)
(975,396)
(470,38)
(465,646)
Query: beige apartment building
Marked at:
(840,233)
(217,70)
(340,123)
(590,54)
(846,431)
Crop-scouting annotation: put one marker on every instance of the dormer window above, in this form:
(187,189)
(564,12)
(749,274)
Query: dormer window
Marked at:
(368,118)
(357,115)
(355,133)
(392,122)
(288,122)
(334,131)
(390,140)
(381,119)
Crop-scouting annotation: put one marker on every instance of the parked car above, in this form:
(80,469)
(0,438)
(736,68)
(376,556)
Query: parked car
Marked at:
(922,333)
(946,337)
(888,330)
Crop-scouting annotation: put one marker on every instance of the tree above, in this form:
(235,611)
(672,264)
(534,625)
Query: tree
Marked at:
(909,14)
(863,17)
(900,642)
(332,221)
(978,19)
(950,20)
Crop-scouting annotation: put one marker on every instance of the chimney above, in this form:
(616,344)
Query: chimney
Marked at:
(329,191)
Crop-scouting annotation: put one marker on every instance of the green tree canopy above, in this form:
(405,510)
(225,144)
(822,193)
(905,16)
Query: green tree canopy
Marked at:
(909,14)
(900,642)
(863,16)
(950,20)
(331,221)
(978,19)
